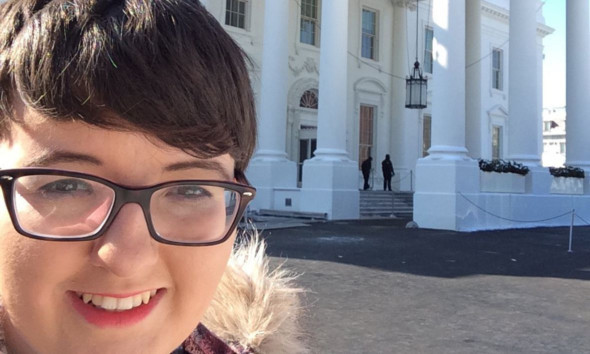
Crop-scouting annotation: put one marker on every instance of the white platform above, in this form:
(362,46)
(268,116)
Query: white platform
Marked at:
(330,187)
(449,197)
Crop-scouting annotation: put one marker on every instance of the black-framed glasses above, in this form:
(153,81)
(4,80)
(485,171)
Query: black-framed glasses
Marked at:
(60,205)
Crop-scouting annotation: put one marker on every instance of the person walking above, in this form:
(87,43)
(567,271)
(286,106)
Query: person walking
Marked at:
(366,169)
(388,172)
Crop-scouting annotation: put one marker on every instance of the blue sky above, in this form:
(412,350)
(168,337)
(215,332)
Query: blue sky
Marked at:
(554,65)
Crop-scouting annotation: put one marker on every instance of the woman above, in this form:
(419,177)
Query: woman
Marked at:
(126,127)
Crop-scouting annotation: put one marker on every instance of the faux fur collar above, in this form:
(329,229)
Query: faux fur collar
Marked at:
(254,307)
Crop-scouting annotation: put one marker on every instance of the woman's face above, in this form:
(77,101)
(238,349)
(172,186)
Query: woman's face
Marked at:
(38,278)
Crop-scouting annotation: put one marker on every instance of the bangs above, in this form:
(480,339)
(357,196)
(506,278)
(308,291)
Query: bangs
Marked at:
(164,68)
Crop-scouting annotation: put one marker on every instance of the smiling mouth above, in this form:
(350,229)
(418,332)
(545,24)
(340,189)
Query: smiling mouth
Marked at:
(117,304)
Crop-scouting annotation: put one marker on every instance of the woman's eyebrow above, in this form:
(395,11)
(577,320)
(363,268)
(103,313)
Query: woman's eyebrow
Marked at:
(204,165)
(58,156)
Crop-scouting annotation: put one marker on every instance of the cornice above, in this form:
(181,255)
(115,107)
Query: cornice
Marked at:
(503,15)
(495,12)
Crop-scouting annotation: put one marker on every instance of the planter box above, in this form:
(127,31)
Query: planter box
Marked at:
(496,182)
(567,185)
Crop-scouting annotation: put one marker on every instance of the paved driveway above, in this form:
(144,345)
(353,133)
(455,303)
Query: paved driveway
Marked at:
(376,287)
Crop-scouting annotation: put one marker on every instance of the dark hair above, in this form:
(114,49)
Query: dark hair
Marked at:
(165,68)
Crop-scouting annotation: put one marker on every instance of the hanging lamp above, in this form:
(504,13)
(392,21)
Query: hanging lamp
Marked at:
(416,83)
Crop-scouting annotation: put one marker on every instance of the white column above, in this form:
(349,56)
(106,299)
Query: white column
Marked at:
(333,84)
(447,175)
(404,134)
(577,83)
(330,178)
(524,119)
(273,95)
(270,168)
(448,86)
(475,130)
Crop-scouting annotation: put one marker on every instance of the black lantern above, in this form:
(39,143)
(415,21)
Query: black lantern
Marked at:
(416,88)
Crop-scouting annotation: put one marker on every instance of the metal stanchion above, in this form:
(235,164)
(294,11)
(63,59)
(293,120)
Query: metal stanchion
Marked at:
(572,230)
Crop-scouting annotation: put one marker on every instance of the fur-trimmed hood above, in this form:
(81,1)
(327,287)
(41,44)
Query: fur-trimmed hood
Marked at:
(255,308)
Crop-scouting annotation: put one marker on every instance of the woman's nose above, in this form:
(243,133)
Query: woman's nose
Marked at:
(126,249)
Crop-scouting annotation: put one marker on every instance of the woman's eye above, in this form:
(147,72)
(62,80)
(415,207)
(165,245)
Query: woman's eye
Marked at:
(67,186)
(188,192)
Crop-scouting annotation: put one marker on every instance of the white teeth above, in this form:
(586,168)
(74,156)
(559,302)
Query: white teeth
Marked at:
(96,300)
(109,303)
(145,297)
(125,304)
(86,298)
(137,300)
(117,304)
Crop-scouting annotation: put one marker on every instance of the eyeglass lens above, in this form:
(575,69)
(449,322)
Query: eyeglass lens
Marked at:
(67,207)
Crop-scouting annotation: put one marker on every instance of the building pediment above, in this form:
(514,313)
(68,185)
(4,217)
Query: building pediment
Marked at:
(498,110)
(370,85)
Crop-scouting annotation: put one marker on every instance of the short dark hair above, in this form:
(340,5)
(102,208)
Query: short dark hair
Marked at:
(165,68)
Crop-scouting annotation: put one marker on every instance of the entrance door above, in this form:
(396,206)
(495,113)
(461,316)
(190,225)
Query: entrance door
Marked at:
(307,147)
(365,133)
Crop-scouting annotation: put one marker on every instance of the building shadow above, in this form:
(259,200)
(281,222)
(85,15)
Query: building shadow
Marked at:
(387,245)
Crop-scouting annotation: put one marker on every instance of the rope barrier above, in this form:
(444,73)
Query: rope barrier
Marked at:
(514,220)
(373,176)
(583,220)
(402,178)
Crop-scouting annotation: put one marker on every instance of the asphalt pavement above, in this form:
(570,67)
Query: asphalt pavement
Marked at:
(376,287)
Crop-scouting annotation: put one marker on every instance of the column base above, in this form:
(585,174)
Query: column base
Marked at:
(330,186)
(445,152)
(438,203)
(268,175)
(538,180)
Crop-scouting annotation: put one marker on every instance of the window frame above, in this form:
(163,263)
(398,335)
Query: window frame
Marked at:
(428,68)
(315,21)
(500,141)
(375,36)
(498,72)
(246,14)
(426,143)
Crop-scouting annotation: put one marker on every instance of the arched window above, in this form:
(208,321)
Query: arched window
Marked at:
(309,99)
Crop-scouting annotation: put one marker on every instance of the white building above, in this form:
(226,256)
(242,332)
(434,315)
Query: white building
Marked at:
(554,136)
(309,154)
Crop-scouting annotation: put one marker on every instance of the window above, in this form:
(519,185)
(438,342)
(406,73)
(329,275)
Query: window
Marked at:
(309,99)
(497,68)
(308,33)
(365,133)
(235,13)
(369,35)
(496,142)
(562,148)
(546,126)
(428,37)
(426,135)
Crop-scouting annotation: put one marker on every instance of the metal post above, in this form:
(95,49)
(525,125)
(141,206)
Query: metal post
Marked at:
(411,180)
(572,230)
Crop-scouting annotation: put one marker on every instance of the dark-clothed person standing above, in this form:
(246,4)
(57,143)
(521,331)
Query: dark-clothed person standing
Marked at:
(366,168)
(388,172)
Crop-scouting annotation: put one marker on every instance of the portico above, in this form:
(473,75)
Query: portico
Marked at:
(331,89)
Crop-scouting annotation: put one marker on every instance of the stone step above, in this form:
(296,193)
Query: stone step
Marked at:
(293,214)
(386,204)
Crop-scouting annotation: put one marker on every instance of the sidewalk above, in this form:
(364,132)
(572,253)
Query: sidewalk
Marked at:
(377,287)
